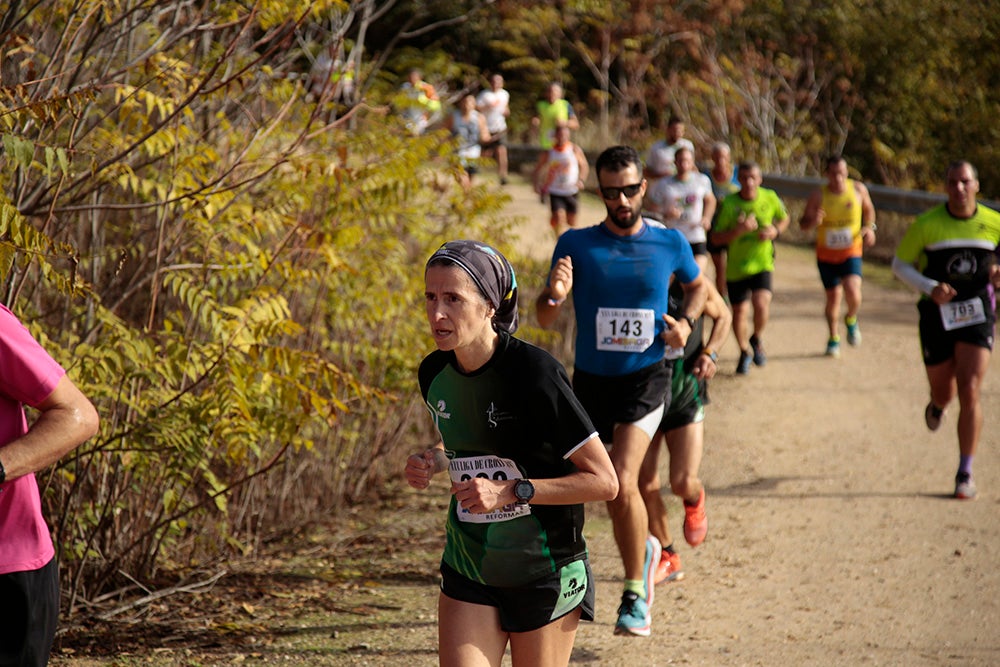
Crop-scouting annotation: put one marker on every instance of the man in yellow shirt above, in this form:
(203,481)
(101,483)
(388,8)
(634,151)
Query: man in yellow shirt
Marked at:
(844,218)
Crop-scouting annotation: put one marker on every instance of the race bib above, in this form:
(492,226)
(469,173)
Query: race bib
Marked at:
(839,238)
(487,467)
(961,314)
(625,330)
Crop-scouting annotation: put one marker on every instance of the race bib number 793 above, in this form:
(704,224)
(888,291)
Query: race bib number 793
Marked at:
(960,314)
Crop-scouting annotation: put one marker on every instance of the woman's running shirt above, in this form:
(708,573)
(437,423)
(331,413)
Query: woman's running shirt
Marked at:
(838,237)
(620,286)
(516,417)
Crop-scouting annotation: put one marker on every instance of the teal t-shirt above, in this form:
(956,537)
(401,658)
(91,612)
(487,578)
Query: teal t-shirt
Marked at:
(748,254)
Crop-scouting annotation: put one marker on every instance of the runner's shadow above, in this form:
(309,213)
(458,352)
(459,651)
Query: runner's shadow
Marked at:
(759,486)
(768,487)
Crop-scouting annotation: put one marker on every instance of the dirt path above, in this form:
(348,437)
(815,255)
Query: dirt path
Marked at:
(833,540)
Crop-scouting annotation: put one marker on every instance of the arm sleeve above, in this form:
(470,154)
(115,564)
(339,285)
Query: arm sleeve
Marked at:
(909,275)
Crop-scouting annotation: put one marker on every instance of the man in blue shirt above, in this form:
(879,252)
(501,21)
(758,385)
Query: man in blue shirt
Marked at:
(619,272)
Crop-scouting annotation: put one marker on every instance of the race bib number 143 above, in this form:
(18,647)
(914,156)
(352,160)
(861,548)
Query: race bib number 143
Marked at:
(625,329)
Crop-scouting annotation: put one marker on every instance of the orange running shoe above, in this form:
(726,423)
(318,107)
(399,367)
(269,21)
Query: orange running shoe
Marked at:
(669,568)
(695,521)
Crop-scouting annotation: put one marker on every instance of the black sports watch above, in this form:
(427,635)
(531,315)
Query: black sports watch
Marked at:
(524,491)
(690,320)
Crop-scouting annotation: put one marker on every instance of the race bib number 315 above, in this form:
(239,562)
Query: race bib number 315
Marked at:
(839,238)
(624,329)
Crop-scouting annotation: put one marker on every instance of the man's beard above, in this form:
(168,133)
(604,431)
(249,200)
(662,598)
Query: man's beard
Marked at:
(626,223)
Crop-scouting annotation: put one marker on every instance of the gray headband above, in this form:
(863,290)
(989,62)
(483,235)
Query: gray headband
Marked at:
(492,274)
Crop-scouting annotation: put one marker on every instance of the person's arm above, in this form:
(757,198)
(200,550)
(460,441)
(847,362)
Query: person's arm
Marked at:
(939,293)
(572,122)
(772,231)
(594,479)
(744,224)
(867,215)
(420,468)
(536,120)
(782,225)
(67,419)
(550,300)
(679,329)
(722,318)
(581,160)
(695,296)
(536,179)
(812,216)
(484,132)
(709,210)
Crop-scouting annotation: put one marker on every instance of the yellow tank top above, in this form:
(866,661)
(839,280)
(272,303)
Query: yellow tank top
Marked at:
(838,237)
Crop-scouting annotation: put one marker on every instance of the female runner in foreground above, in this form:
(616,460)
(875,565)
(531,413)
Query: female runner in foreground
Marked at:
(523,457)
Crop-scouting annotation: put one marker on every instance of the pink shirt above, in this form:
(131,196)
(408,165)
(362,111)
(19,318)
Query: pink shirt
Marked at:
(28,375)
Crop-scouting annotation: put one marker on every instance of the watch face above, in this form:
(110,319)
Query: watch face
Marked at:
(524,490)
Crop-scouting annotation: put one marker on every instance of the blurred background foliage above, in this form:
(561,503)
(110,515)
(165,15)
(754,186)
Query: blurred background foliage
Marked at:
(225,250)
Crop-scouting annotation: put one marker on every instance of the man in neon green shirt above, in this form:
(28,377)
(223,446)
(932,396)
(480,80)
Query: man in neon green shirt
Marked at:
(749,221)
(949,255)
(552,112)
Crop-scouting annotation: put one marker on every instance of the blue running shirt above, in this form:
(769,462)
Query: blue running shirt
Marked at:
(620,286)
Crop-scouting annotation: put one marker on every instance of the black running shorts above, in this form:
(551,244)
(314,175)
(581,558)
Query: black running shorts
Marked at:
(532,606)
(938,345)
(740,290)
(622,399)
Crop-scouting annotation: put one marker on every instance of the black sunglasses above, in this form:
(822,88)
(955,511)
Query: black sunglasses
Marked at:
(614,193)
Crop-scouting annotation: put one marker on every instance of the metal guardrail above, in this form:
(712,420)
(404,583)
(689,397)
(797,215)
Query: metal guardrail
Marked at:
(896,200)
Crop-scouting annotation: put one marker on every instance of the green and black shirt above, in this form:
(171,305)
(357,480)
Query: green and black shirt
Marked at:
(516,417)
